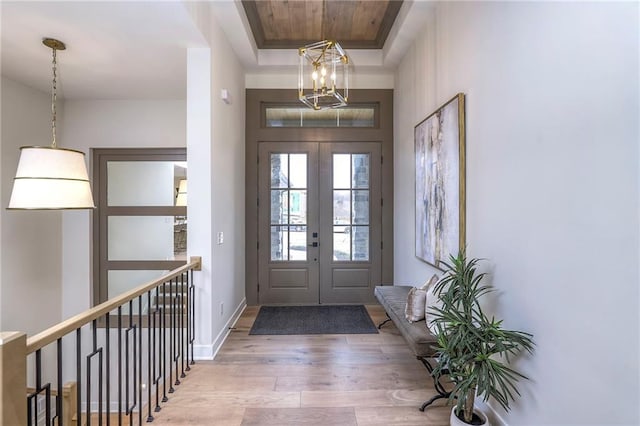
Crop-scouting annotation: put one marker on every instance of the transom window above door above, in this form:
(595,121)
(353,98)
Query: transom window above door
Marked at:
(355,115)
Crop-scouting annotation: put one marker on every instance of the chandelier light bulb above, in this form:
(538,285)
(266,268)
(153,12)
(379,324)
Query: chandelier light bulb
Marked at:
(323,71)
(314,75)
(333,76)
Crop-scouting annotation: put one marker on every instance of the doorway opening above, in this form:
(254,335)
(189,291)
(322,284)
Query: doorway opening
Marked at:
(318,228)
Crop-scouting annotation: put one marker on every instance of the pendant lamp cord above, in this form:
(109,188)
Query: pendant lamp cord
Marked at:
(53,100)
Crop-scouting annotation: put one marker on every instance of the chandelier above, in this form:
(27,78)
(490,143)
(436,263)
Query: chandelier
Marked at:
(49,177)
(323,76)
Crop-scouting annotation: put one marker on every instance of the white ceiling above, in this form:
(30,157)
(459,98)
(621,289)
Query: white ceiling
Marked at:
(115,50)
(137,50)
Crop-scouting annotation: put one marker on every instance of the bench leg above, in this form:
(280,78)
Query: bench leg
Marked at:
(432,400)
(442,392)
(384,322)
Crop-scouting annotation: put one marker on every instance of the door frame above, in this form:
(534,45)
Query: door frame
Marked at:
(256,132)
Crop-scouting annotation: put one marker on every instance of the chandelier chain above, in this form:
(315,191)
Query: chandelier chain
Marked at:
(54,99)
(322,19)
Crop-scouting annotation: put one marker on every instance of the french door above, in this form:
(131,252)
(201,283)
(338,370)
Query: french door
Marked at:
(319,222)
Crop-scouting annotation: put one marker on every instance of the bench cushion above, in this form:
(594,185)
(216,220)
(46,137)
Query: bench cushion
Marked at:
(394,299)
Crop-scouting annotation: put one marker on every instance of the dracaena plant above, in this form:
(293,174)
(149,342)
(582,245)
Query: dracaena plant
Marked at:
(468,340)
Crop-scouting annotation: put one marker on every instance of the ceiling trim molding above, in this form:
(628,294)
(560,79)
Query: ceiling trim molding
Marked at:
(257,29)
(387,22)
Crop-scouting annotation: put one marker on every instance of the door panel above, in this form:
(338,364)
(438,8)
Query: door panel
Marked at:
(350,213)
(287,223)
(319,231)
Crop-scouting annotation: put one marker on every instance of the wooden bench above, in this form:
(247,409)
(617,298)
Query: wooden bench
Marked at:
(421,341)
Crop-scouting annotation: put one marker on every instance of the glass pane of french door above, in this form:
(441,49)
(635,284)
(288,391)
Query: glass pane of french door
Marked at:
(350,206)
(288,237)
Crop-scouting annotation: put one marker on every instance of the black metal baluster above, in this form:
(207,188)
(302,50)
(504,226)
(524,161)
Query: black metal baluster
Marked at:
(30,410)
(107,369)
(156,348)
(59,397)
(120,366)
(182,302)
(193,316)
(47,396)
(93,332)
(149,376)
(39,389)
(176,335)
(95,351)
(172,310)
(134,357)
(140,328)
(126,362)
(163,336)
(79,373)
(100,381)
(133,328)
(188,304)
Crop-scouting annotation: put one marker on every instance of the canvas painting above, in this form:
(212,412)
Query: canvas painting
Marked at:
(440,170)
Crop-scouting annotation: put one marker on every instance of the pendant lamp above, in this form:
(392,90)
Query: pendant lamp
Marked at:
(323,75)
(49,177)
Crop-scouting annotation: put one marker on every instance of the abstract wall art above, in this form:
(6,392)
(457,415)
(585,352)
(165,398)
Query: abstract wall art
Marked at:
(440,182)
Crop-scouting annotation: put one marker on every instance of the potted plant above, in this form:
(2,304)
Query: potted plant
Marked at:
(468,342)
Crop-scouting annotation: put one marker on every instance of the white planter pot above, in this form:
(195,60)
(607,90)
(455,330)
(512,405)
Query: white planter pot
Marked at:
(455,421)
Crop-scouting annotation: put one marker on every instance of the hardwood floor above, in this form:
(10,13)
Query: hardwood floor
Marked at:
(366,379)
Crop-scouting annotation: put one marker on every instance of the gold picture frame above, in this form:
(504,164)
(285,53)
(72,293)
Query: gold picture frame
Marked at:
(439,143)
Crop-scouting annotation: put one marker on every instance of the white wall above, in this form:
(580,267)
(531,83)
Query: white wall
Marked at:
(30,278)
(216,156)
(200,242)
(552,187)
(228,173)
(108,124)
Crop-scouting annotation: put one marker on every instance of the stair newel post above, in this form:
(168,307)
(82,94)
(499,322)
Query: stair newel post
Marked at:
(13,376)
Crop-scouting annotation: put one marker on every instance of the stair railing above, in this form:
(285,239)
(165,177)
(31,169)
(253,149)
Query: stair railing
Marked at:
(127,354)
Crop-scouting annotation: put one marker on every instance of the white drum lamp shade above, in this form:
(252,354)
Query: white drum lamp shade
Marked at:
(51,179)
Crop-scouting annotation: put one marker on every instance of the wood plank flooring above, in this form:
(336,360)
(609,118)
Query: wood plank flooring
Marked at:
(363,380)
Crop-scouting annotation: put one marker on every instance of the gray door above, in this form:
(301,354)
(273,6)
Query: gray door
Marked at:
(350,222)
(319,222)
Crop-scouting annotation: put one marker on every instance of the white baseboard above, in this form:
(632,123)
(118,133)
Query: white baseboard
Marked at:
(209,352)
(494,418)
(203,352)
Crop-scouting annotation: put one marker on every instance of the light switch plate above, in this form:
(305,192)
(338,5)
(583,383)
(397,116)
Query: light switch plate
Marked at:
(220,237)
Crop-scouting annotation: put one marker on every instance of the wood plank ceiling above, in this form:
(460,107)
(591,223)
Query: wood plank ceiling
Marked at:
(289,24)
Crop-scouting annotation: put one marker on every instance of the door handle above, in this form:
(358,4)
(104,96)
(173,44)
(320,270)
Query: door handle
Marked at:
(314,244)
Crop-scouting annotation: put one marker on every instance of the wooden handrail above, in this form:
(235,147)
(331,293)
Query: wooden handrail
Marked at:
(59,330)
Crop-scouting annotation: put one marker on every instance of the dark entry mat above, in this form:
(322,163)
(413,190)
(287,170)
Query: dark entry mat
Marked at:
(323,319)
